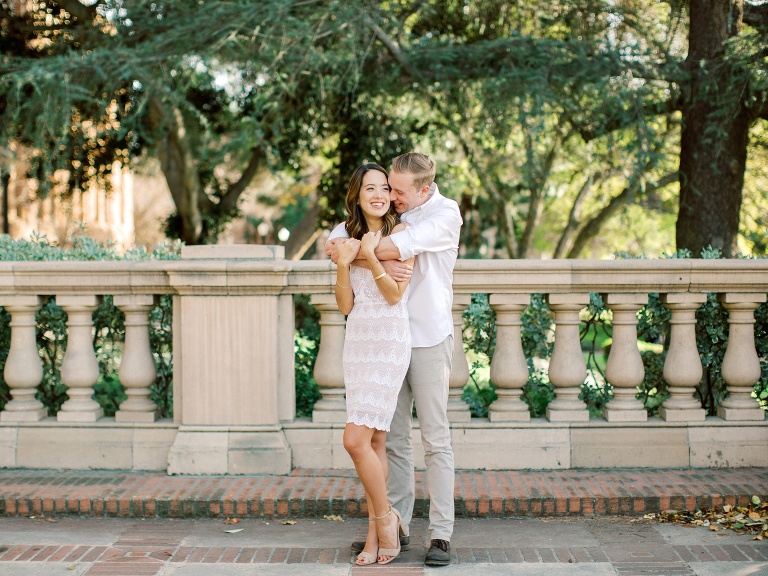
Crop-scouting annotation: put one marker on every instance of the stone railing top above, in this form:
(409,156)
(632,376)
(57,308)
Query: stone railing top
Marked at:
(249,275)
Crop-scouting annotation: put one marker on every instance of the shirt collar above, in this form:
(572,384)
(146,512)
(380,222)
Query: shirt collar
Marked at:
(433,193)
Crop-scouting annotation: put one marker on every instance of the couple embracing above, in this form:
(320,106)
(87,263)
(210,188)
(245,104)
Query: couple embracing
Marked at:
(395,255)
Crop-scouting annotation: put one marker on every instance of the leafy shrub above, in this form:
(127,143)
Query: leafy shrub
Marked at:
(306,344)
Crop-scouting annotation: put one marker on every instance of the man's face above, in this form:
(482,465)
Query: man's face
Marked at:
(403,192)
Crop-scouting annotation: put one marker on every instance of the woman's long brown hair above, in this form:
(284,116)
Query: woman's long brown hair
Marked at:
(356,224)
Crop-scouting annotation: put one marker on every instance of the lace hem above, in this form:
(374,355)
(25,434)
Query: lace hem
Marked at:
(376,421)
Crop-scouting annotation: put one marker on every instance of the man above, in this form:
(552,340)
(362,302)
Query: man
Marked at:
(434,223)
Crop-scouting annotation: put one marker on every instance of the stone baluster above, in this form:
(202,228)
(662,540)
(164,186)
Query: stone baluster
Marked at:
(682,368)
(458,410)
(137,369)
(509,369)
(328,372)
(80,368)
(567,369)
(23,367)
(624,369)
(741,365)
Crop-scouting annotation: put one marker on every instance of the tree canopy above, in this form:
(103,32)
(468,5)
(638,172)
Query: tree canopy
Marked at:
(549,121)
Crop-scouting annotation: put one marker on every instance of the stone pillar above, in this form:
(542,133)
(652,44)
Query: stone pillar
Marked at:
(329,372)
(23,367)
(567,369)
(682,368)
(80,368)
(741,365)
(227,341)
(509,368)
(137,369)
(624,370)
(458,410)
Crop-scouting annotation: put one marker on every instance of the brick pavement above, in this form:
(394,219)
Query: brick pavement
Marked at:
(131,547)
(319,492)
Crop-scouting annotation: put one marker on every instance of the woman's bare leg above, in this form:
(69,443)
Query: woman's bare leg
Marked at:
(358,442)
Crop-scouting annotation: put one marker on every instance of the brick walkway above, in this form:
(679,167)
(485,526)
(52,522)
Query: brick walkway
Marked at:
(596,546)
(316,493)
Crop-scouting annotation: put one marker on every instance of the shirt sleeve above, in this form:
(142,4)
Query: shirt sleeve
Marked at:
(440,231)
(339,232)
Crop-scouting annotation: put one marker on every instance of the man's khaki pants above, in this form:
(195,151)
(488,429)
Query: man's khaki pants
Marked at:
(426,385)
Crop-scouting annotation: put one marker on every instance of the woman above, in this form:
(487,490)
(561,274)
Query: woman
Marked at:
(377,350)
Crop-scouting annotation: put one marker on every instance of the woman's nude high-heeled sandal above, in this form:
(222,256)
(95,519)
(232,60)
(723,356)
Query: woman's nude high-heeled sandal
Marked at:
(391,552)
(366,558)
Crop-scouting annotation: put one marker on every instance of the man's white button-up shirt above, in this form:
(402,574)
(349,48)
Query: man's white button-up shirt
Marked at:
(432,235)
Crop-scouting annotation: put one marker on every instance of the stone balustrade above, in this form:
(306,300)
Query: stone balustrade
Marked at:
(233,363)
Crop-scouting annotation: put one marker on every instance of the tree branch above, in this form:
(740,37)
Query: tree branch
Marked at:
(393,47)
(593,226)
(229,199)
(573,217)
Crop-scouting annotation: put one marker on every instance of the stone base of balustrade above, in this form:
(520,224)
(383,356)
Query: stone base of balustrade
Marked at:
(80,417)
(541,445)
(23,415)
(129,416)
(105,445)
(479,444)
(458,416)
(329,416)
(229,450)
(625,415)
(579,415)
(740,414)
(509,415)
(683,415)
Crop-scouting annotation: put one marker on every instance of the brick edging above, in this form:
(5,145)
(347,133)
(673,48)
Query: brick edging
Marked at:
(316,493)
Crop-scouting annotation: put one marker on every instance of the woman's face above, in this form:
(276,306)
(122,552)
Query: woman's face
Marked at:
(374,194)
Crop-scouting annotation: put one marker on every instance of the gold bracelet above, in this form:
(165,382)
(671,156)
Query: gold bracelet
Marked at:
(380,276)
(340,286)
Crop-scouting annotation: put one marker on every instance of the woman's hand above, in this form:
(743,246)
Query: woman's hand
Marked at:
(368,244)
(347,251)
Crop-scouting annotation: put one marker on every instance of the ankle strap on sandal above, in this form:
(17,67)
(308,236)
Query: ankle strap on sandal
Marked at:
(387,513)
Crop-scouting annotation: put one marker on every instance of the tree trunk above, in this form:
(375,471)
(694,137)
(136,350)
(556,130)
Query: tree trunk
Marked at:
(179,169)
(713,148)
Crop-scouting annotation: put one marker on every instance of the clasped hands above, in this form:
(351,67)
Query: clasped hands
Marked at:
(344,251)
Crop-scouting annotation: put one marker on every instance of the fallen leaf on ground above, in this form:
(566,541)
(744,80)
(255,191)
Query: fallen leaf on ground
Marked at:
(752,519)
(290,522)
(334,517)
(231,521)
(235,531)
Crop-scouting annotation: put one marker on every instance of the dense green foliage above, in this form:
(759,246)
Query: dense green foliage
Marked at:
(556,125)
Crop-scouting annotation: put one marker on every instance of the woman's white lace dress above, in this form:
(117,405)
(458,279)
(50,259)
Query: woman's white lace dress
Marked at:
(377,351)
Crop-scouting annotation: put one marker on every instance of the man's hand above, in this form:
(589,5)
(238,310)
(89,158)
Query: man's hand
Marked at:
(332,249)
(399,271)
(347,251)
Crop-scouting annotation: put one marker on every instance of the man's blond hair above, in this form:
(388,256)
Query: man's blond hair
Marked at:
(420,165)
